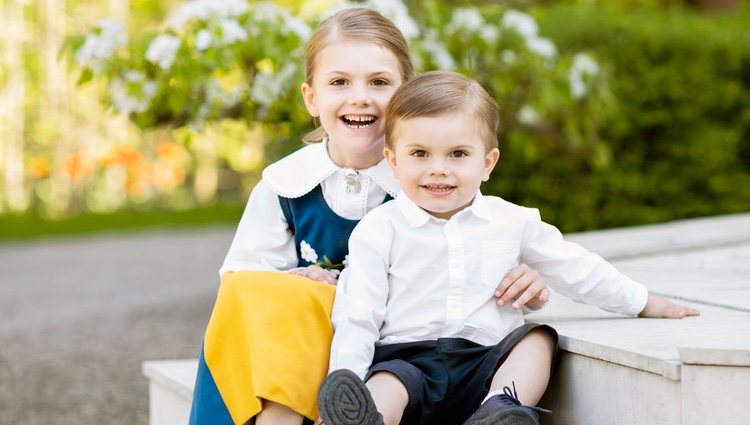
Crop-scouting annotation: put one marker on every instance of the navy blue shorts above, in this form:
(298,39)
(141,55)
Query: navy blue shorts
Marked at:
(447,379)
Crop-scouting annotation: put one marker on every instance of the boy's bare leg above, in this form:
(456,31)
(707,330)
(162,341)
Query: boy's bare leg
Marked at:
(389,395)
(277,414)
(528,365)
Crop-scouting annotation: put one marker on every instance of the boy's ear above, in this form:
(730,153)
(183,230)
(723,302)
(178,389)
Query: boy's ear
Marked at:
(489,162)
(308,94)
(390,156)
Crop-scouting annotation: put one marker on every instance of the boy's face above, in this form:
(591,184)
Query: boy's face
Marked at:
(440,161)
(352,83)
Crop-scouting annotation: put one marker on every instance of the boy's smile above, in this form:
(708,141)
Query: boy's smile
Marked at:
(352,83)
(440,161)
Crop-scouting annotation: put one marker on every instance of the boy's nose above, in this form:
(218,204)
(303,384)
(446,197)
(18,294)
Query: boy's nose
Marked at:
(438,168)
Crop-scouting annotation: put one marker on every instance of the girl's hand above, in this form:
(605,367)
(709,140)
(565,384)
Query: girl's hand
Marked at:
(662,308)
(315,273)
(523,286)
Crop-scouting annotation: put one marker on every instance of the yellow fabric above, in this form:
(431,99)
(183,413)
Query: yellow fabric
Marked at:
(269,337)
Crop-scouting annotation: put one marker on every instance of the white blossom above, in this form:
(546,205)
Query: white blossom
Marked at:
(307,252)
(440,55)
(132,93)
(509,57)
(163,50)
(543,47)
(101,44)
(203,39)
(268,86)
(296,26)
(528,115)
(489,34)
(525,25)
(204,10)
(396,11)
(583,65)
(335,273)
(231,32)
(466,19)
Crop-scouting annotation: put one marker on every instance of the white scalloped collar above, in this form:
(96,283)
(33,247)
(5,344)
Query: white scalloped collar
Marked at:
(299,172)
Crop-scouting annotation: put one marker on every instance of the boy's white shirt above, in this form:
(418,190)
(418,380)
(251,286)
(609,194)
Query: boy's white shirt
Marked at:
(414,277)
(263,240)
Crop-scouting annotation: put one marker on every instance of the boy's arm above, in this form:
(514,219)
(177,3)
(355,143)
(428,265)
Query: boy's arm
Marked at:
(361,295)
(659,307)
(586,277)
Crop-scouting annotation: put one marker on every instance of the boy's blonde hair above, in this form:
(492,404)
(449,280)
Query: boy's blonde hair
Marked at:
(359,24)
(442,92)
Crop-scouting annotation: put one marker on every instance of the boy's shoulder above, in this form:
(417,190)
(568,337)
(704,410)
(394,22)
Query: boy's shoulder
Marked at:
(500,208)
(299,172)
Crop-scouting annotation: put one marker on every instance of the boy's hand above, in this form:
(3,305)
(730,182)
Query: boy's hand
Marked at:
(522,286)
(315,273)
(660,307)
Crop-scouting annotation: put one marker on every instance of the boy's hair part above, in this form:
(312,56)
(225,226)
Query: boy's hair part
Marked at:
(356,24)
(437,93)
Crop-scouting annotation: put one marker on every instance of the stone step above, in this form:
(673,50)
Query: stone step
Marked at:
(613,369)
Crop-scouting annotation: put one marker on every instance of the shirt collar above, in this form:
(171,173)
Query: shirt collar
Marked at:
(298,173)
(417,217)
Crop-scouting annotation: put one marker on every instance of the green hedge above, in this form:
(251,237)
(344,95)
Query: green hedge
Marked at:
(678,141)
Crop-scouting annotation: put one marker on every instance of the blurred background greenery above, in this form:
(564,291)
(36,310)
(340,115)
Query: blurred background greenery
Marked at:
(128,113)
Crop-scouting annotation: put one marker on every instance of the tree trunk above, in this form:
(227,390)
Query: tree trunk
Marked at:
(12,100)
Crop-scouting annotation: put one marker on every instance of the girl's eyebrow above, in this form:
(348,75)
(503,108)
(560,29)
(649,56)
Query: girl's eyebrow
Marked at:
(371,74)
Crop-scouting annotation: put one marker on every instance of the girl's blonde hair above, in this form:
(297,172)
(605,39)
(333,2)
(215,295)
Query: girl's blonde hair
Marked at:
(361,24)
(443,92)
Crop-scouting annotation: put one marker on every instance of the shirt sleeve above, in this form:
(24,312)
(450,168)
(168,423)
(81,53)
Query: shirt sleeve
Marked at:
(361,295)
(263,240)
(579,273)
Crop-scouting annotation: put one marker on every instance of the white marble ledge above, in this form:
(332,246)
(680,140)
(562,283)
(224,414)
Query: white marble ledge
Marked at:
(677,235)
(716,357)
(175,375)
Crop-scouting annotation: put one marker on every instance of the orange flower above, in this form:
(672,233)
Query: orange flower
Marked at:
(170,152)
(39,167)
(77,166)
(168,176)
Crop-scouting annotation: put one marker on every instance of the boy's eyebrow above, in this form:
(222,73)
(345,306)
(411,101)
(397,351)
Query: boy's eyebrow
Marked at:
(420,145)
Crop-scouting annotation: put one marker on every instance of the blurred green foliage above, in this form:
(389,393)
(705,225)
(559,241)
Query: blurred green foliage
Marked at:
(678,142)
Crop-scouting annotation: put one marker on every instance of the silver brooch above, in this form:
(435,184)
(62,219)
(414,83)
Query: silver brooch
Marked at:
(351,177)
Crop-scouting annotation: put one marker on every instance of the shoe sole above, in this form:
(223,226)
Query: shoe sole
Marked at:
(344,399)
(509,417)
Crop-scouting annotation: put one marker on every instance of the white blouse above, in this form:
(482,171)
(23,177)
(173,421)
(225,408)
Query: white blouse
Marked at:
(263,240)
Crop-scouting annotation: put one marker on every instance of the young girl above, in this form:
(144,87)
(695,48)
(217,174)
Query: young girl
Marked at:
(267,344)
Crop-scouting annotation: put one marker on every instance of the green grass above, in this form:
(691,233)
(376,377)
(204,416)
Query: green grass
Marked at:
(20,227)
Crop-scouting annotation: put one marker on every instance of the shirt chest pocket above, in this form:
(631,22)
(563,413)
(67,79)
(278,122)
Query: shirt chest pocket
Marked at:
(497,259)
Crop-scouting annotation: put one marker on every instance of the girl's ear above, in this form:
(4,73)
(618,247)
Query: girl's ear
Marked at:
(308,94)
(489,162)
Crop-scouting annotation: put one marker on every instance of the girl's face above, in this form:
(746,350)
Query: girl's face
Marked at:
(351,86)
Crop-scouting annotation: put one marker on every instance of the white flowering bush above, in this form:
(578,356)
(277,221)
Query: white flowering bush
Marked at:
(214,59)
(223,62)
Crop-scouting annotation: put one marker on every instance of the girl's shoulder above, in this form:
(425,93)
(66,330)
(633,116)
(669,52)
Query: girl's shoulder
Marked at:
(299,172)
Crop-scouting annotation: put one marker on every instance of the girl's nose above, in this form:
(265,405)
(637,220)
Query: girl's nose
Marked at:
(360,96)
